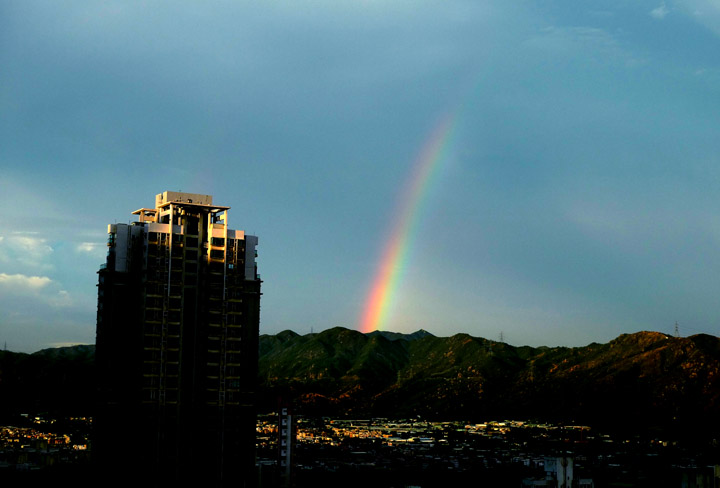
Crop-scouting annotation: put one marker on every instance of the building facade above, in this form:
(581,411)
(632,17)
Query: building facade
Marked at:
(177,346)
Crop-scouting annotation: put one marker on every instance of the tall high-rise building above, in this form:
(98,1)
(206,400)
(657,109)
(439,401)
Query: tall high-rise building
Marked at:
(177,346)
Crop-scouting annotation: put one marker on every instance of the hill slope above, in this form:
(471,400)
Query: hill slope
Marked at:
(646,378)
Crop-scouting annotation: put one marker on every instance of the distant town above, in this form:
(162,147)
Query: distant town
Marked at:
(403,453)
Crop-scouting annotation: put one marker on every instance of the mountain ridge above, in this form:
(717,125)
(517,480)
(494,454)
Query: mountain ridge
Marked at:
(640,377)
(645,377)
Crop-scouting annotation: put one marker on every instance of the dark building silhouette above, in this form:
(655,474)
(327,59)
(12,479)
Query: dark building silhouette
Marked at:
(287,434)
(177,345)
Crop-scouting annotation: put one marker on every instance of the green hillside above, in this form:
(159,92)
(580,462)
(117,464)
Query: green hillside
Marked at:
(644,379)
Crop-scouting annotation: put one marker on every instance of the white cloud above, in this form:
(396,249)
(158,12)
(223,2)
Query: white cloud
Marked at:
(60,299)
(25,251)
(91,248)
(34,245)
(660,12)
(17,288)
(20,282)
(581,42)
(705,12)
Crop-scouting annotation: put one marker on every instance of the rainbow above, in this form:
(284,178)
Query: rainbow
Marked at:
(403,230)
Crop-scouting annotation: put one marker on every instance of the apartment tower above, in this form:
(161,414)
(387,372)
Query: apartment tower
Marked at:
(177,346)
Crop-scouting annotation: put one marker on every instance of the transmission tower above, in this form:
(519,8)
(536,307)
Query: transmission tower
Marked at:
(677,330)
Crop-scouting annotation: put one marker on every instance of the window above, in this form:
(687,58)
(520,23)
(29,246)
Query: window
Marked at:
(192,225)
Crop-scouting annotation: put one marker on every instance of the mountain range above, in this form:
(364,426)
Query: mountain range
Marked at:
(645,379)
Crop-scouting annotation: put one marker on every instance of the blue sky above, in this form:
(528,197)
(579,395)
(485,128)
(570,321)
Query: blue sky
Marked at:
(578,199)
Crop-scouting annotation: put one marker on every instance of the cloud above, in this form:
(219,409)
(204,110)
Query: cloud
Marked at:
(580,42)
(20,282)
(95,248)
(35,245)
(17,196)
(557,36)
(705,12)
(17,288)
(69,344)
(660,12)
(60,299)
(25,251)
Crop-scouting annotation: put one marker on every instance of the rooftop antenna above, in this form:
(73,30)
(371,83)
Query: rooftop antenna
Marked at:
(677,329)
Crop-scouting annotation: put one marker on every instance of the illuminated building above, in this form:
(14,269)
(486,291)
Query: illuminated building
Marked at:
(177,344)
